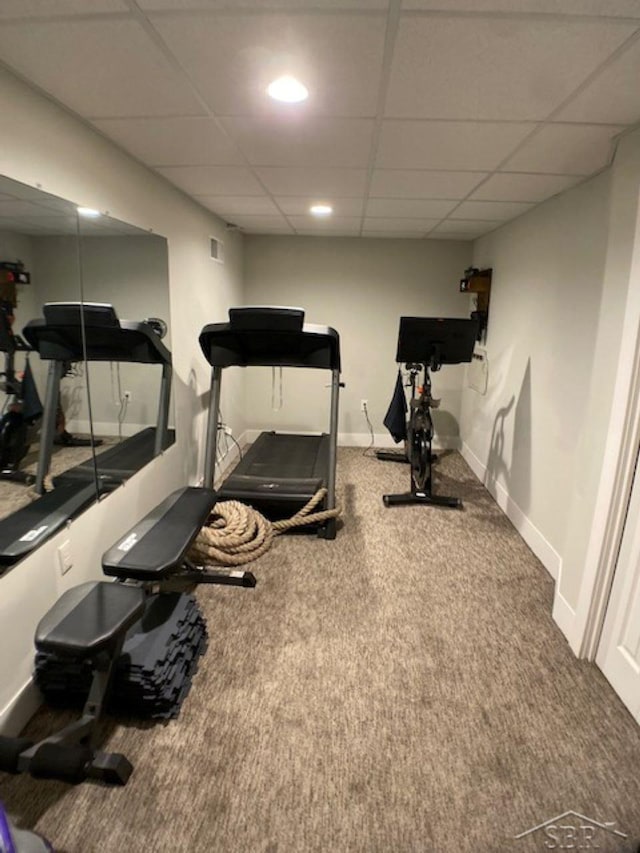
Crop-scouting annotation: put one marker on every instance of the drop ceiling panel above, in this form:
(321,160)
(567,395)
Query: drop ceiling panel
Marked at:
(398,224)
(393,234)
(98,68)
(474,68)
(300,206)
(314,142)
(414,208)
(508,186)
(23,208)
(173,141)
(298,181)
(613,96)
(213,180)
(262,224)
(233,58)
(572,149)
(461,238)
(467,228)
(227,206)
(447,145)
(413,183)
(32,8)
(349,225)
(618,8)
(491,210)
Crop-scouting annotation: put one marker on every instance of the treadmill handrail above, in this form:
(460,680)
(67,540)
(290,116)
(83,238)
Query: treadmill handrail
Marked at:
(314,346)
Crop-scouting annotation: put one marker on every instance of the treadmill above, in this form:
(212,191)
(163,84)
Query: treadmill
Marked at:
(59,338)
(280,472)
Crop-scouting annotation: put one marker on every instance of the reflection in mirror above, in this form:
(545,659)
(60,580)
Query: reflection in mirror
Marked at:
(125,286)
(39,263)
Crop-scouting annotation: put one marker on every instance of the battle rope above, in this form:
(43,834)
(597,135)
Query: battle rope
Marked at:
(236,533)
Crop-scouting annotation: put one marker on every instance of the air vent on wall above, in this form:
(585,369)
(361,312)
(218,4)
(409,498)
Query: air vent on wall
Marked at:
(216,250)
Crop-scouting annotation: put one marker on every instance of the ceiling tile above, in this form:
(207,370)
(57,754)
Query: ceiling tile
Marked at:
(233,58)
(571,149)
(347,225)
(612,96)
(623,8)
(173,141)
(107,67)
(513,186)
(213,180)
(32,8)
(414,208)
(337,183)
(23,208)
(399,225)
(497,68)
(312,142)
(262,224)
(468,228)
(462,238)
(229,206)
(300,206)
(413,183)
(491,210)
(393,234)
(447,145)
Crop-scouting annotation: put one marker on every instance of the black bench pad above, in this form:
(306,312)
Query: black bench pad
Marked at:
(156,546)
(88,618)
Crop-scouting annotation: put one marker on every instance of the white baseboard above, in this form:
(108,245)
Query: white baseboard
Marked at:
(565,618)
(19,711)
(544,551)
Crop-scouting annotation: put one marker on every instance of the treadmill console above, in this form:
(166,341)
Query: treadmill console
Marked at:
(266,319)
(69,314)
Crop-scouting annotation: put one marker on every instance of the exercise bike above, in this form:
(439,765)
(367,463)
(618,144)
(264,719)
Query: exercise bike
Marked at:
(425,344)
(22,410)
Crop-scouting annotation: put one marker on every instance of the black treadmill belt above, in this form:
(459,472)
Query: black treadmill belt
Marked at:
(285,457)
(26,529)
(118,462)
(279,473)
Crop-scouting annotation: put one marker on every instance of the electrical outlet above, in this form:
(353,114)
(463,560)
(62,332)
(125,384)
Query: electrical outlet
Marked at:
(363,405)
(64,557)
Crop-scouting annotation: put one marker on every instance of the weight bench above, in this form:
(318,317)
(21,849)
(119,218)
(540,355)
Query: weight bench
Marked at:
(89,623)
(155,550)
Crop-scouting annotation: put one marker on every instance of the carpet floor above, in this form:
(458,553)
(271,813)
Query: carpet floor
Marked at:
(402,689)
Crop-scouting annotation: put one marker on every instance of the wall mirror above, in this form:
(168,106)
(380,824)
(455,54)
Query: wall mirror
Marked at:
(125,287)
(39,263)
(57,455)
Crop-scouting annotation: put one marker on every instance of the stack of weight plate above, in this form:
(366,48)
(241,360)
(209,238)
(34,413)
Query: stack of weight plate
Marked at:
(154,672)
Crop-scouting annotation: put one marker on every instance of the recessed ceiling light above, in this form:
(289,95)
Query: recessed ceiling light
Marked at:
(88,211)
(288,89)
(321,209)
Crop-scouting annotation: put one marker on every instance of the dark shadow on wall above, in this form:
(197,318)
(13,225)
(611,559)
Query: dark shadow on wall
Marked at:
(516,477)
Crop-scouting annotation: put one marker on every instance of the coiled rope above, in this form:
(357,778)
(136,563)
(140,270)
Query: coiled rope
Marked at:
(236,533)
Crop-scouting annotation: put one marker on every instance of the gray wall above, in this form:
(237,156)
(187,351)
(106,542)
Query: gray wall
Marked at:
(545,309)
(360,287)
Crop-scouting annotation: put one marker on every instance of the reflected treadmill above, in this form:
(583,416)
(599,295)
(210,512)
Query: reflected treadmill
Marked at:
(280,472)
(58,337)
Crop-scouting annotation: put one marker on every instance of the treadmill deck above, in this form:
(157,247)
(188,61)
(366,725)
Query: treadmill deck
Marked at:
(279,474)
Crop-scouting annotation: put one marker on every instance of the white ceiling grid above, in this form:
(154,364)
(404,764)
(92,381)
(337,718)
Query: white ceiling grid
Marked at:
(426,118)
